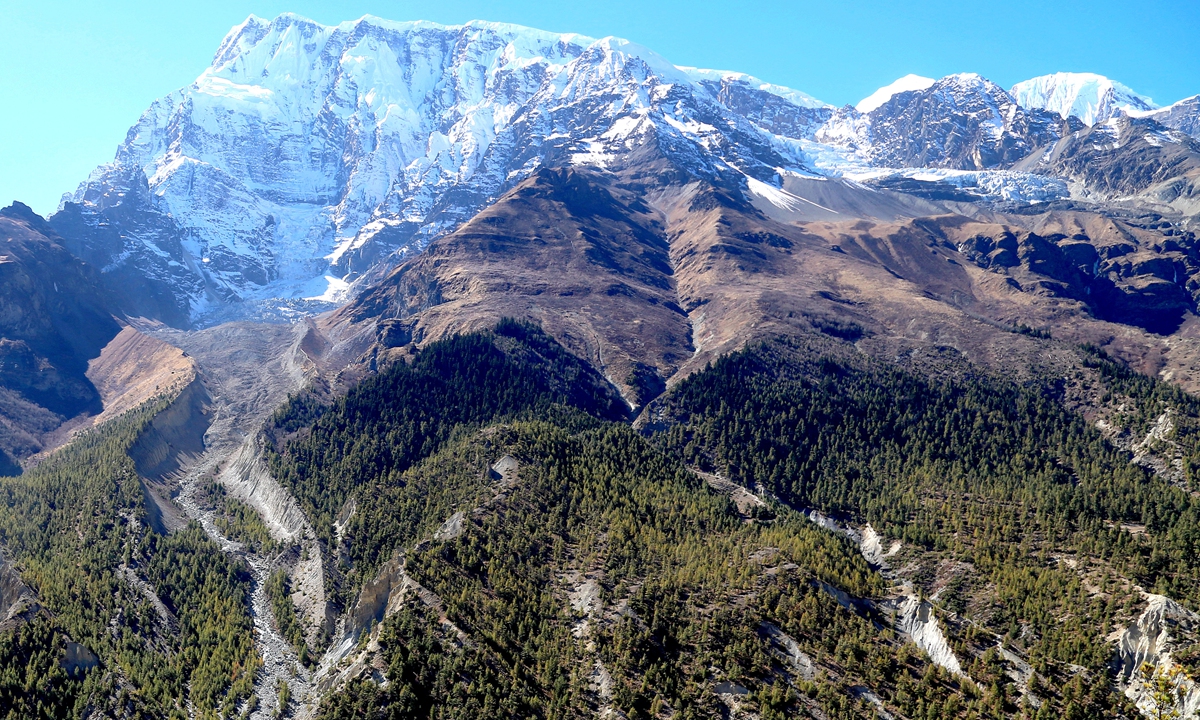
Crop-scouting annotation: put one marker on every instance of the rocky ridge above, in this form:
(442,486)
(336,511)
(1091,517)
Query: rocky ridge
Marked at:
(308,159)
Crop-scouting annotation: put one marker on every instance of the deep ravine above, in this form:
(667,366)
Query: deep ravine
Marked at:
(249,370)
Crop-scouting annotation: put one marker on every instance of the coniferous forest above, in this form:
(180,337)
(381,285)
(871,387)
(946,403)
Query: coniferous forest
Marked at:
(560,561)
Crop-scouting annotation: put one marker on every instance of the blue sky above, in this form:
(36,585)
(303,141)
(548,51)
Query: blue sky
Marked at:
(75,74)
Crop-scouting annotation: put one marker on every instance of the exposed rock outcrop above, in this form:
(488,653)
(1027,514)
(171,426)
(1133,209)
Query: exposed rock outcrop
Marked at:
(175,437)
(18,603)
(1163,627)
(916,619)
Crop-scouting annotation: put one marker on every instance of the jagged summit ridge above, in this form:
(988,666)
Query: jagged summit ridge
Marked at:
(307,152)
(1090,97)
(307,155)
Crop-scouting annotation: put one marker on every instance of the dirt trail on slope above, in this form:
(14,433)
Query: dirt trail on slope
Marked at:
(249,369)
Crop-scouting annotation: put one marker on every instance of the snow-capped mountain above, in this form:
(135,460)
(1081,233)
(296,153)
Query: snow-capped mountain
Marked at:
(1183,115)
(307,155)
(908,83)
(1091,98)
(962,122)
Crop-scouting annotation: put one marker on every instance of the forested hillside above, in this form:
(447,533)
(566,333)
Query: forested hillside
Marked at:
(938,462)
(357,446)
(606,573)
(796,530)
(162,620)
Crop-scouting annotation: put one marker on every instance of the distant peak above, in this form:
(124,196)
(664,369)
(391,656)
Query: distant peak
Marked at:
(20,211)
(1090,97)
(966,78)
(908,83)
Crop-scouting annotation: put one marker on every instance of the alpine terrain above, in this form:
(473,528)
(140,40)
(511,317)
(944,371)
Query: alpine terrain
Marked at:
(401,370)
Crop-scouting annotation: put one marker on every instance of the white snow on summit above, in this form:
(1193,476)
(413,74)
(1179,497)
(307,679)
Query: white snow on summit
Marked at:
(1090,97)
(908,83)
(307,152)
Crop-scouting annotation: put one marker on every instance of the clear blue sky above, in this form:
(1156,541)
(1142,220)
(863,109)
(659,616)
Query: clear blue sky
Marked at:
(75,74)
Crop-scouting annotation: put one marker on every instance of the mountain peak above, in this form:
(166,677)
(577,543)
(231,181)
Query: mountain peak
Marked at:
(965,79)
(908,83)
(1090,97)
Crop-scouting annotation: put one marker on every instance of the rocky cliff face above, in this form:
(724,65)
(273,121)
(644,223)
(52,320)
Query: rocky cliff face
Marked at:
(961,122)
(121,228)
(308,151)
(1121,271)
(308,157)
(1163,628)
(1128,157)
(54,317)
(1183,116)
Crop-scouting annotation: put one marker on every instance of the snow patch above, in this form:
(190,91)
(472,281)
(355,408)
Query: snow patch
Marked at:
(908,83)
(781,198)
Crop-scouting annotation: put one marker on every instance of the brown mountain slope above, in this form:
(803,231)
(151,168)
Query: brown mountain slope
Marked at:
(53,319)
(66,363)
(586,260)
(650,280)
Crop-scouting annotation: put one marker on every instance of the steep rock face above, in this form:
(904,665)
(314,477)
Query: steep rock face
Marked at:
(1128,156)
(1183,116)
(1090,97)
(1163,627)
(1122,273)
(175,437)
(779,111)
(18,603)
(120,228)
(54,317)
(917,620)
(308,151)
